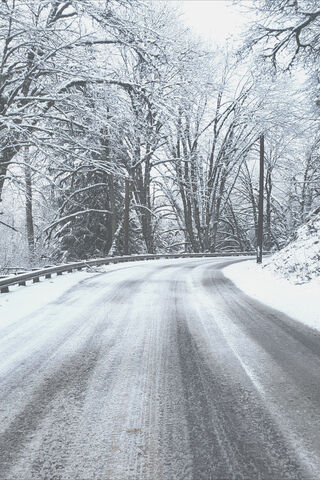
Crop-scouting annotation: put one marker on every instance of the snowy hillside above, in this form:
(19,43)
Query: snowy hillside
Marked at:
(299,261)
(289,281)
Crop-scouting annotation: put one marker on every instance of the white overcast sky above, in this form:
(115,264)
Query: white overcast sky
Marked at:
(214,20)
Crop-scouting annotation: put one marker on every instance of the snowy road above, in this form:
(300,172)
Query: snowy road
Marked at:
(160,370)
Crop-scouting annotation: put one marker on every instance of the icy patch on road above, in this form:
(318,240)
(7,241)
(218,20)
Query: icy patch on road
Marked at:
(301,302)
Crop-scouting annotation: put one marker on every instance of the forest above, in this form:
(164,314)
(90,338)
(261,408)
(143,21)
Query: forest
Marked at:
(122,132)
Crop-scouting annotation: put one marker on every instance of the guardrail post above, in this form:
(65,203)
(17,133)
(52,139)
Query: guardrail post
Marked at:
(4,290)
(36,280)
(22,284)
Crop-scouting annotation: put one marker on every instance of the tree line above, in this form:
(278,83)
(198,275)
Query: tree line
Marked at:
(120,132)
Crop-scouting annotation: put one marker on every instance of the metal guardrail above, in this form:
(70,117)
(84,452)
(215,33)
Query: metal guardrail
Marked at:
(47,272)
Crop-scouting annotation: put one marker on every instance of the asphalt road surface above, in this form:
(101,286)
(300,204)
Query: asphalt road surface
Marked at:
(160,370)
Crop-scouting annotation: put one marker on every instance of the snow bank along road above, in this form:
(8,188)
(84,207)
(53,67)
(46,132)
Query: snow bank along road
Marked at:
(158,370)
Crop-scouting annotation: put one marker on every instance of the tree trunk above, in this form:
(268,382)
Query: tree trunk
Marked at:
(268,188)
(303,209)
(217,210)
(126,217)
(5,158)
(112,207)
(29,213)
(260,204)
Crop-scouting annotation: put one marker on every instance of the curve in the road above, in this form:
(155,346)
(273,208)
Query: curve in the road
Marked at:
(162,370)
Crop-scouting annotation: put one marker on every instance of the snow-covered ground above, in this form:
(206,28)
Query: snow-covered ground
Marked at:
(288,281)
(21,301)
(154,369)
(299,301)
(299,262)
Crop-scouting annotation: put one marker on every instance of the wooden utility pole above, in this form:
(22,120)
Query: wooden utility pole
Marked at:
(126,217)
(260,206)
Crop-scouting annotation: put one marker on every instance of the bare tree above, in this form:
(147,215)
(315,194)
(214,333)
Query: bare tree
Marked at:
(287,31)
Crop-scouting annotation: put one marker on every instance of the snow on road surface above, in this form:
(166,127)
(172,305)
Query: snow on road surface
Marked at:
(22,301)
(299,301)
(160,370)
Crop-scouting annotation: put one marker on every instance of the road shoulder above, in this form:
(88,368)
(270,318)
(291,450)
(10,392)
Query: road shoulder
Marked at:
(300,302)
